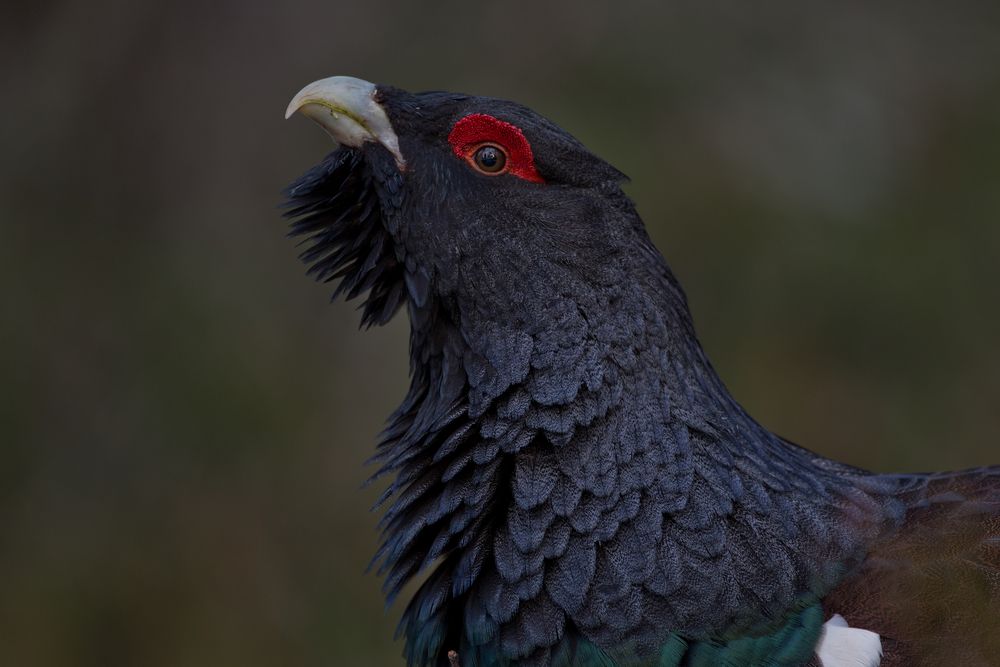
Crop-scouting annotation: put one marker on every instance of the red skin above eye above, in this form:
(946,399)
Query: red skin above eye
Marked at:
(477,129)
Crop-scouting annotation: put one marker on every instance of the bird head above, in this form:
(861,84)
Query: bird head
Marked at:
(471,203)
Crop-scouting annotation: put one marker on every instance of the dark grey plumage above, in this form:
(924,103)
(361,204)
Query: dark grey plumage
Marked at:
(567,462)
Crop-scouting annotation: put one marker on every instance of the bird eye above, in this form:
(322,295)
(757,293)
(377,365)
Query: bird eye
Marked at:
(493,147)
(490,159)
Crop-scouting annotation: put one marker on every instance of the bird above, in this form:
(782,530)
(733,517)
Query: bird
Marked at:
(567,474)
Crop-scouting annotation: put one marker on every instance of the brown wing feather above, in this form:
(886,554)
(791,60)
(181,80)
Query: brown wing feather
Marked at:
(932,588)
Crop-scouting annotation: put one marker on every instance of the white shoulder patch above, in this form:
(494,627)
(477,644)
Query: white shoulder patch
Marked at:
(843,646)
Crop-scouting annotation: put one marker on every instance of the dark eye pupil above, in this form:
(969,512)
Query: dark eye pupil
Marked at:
(490,158)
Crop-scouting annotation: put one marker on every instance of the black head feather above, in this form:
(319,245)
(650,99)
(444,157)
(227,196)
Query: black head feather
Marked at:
(336,207)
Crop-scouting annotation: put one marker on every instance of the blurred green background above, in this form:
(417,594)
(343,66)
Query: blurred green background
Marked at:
(183,419)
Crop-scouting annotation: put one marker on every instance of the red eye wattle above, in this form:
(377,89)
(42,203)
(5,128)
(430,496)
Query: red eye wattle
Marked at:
(493,147)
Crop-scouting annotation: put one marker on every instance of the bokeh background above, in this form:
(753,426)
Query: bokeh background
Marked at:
(183,418)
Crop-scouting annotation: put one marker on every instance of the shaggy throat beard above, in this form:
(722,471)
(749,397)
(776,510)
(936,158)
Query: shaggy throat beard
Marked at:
(337,212)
